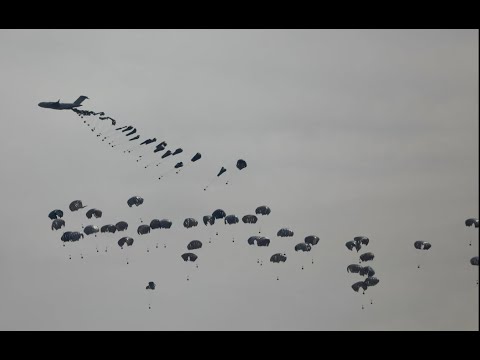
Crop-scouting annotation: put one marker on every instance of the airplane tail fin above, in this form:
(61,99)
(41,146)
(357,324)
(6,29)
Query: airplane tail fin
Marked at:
(80,100)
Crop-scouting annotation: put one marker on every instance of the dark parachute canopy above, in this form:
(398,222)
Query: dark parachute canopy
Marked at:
(160,147)
(262,210)
(108,228)
(358,285)
(125,240)
(160,224)
(251,240)
(231,219)
(472,221)
(71,236)
(474,261)
(249,219)
(91,229)
(367,256)
(241,164)
(277,258)
(352,244)
(284,232)
(196,157)
(361,240)
(143,229)
(58,224)
(178,165)
(222,170)
(261,241)
(76,205)
(371,281)
(54,214)
(219,214)
(121,226)
(312,240)
(178,151)
(94,212)
(207,219)
(189,257)
(422,245)
(303,247)
(135,200)
(194,244)
(354,268)
(167,153)
(367,270)
(151,286)
(190,222)
(148,141)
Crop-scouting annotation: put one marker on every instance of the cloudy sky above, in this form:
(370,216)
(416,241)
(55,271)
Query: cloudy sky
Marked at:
(345,133)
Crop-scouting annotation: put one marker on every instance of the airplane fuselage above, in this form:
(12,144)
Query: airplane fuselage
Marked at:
(58,106)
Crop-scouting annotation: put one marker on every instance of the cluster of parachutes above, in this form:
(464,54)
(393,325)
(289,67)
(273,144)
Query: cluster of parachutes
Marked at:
(473,222)
(127,137)
(367,271)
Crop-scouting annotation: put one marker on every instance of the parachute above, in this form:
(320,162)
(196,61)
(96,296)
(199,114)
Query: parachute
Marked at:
(371,281)
(71,236)
(194,244)
(422,245)
(160,224)
(55,214)
(231,219)
(354,268)
(219,214)
(472,221)
(361,240)
(108,228)
(190,222)
(262,210)
(241,164)
(352,244)
(249,219)
(312,240)
(358,285)
(196,157)
(178,151)
(148,141)
(121,226)
(151,286)
(222,170)
(94,212)
(160,147)
(367,256)
(303,247)
(207,219)
(57,224)
(277,258)
(167,153)
(76,205)
(91,229)
(474,261)
(367,270)
(143,229)
(135,200)
(284,232)
(189,257)
(125,240)
(178,165)
(261,241)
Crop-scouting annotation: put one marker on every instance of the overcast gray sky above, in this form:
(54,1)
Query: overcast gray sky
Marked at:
(345,133)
